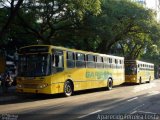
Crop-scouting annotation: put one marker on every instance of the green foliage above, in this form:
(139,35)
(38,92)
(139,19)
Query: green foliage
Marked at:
(152,52)
(119,27)
(3,18)
(53,16)
(123,27)
(45,20)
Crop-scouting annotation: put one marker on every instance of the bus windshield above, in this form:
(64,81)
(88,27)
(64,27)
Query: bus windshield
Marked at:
(130,69)
(34,65)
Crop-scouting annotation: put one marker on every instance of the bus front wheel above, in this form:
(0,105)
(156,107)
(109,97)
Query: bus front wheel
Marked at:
(110,84)
(140,80)
(68,89)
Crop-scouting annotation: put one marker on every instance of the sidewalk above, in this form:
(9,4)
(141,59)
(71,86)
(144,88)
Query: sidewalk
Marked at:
(8,96)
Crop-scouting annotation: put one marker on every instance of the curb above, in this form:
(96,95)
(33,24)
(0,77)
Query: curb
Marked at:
(7,98)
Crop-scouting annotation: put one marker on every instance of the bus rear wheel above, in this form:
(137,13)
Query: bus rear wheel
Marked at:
(110,84)
(140,80)
(68,89)
(149,80)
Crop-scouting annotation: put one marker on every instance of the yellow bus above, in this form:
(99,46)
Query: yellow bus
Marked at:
(51,69)
(138,71)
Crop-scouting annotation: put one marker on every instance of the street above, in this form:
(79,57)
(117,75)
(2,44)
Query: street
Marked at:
(99,104)
(54,53)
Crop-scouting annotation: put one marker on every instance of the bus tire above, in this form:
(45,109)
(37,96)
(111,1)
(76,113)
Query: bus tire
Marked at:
(109,84)
(140,80)
(149,80)
(68,88)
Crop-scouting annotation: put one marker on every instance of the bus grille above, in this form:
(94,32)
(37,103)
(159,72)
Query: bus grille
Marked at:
(34,86)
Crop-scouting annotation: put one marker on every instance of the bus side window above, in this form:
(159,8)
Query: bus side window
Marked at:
(105,60)
(57,61)
(110,62)
(115,64)
(90,61)
(99,62)
(80,60)
(70,60)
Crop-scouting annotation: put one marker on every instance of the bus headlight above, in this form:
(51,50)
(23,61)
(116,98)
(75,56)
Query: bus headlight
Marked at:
(19,86)
(42,86)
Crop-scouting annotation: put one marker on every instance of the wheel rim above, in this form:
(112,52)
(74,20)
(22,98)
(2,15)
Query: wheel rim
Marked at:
(110,84)
(68,89)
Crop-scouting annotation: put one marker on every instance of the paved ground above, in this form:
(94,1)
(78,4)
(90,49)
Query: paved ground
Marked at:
(100,104)
(11,94)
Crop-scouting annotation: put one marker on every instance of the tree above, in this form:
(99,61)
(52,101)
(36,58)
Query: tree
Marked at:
(12,11)
(152,52)
(138,43)
(122,25)
(47,19)
(105,26)
(42,21)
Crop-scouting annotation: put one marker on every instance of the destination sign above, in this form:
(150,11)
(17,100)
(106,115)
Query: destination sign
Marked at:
(34,49)
(57,52)
(130,62)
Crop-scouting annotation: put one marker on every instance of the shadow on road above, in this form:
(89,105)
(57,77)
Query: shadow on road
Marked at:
(13,97)
(116,106)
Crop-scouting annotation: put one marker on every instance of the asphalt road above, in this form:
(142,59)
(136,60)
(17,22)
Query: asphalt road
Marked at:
(136,102)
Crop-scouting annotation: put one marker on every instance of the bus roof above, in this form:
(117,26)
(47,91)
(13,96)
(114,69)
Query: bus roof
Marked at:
(139,62)
(75,50)
(142,62)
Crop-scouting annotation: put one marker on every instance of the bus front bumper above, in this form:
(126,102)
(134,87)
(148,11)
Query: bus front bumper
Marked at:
(131,79)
